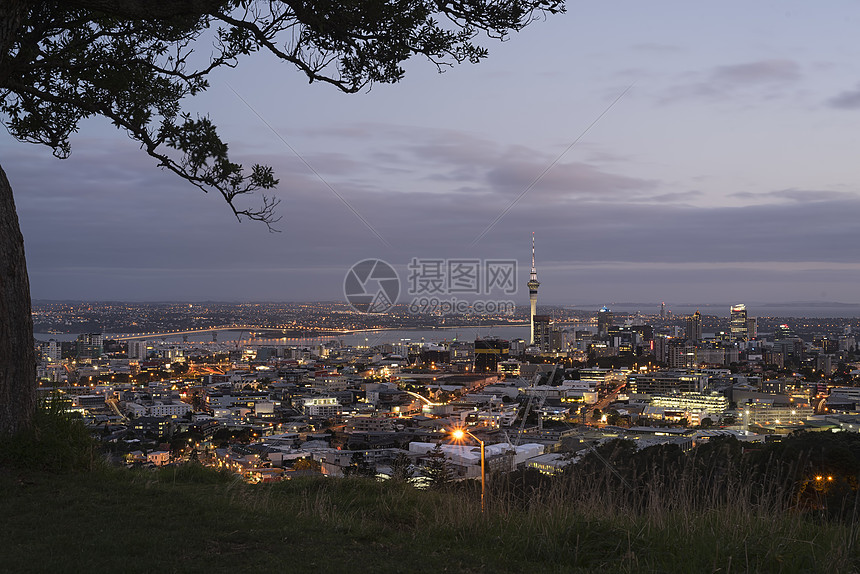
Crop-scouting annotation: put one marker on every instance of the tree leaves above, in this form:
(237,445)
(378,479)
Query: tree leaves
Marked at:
(134,63)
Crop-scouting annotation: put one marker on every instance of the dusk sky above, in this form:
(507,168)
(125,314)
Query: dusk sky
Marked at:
(729,171)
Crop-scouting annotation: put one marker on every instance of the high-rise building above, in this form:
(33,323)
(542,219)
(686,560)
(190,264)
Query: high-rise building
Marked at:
(738,322)
(680,353)
(461,353)
(89,345)
(604,321)
(783,332)
(543,329)
(646,332)
(518,347)
(53,351)
(694,327)
(137,349)
(533,289)
(489,353)
(568,339)
(752,328)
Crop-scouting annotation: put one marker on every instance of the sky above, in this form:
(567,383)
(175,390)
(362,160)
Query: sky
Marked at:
(686,152)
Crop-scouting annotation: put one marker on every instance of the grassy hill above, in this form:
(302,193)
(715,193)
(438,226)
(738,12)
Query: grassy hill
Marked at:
(62,510)
(189,520)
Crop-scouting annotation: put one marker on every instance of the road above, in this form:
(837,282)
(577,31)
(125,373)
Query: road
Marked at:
(611,397)
(112,403)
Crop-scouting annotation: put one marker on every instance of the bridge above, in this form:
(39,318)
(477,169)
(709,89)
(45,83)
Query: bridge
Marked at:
(215,330)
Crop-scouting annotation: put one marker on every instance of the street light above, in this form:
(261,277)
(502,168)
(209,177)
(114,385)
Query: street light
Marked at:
(460,434)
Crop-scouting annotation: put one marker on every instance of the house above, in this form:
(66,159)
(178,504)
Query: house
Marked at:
(158,457)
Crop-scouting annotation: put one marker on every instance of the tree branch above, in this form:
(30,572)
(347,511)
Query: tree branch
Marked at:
(151,9)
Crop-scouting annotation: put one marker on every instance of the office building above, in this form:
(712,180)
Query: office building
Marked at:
(489,353)
(89,345)
(543,333)
(604,321)
(694,327)
(669,381)
(752,328)
(738,323)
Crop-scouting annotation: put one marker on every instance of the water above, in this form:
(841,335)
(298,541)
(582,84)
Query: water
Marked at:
(358,338)
(61,337)
(371,338)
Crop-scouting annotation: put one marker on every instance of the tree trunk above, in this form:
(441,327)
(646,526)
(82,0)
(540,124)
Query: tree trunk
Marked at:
(17,356)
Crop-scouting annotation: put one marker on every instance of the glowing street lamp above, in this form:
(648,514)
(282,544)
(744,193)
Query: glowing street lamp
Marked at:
(460,434)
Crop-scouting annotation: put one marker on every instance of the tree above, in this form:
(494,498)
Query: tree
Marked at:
(359,466)
(613,417)
(401,468)
(133,62)
(307,464)
(436,467)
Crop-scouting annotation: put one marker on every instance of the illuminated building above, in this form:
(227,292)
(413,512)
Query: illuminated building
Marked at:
(692,401)
(768,413)
(738,323)
(489,353)
(694,327)
(664,382)
(604,321)
(137,349)
(783,332)
(752,328)
(89,345)
(461,353)
(52,351)
(542,337)
(680,353)
(322,407)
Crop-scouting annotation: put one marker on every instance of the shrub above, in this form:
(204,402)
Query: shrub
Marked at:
(57,441)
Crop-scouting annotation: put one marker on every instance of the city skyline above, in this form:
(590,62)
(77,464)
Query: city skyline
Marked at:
(668,382)
(724,174)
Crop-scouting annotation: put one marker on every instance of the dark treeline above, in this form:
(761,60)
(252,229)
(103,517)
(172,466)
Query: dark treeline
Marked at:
(812,472)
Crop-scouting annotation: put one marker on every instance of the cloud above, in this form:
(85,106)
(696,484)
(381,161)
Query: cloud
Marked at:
(763,71)
(728,80)
(681,196)
(477,164)
(135,232)
(599,156)
(847,100)
(447,161)
(572,180)
(798,195)
(656,48)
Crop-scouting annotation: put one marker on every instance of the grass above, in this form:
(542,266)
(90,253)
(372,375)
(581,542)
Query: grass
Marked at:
(56,442)
(191,520)
(71,513)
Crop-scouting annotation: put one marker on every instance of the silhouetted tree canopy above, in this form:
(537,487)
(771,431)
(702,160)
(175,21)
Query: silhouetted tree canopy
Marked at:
(135,62)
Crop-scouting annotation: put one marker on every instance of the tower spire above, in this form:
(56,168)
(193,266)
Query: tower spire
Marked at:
(533,289)
(533,280)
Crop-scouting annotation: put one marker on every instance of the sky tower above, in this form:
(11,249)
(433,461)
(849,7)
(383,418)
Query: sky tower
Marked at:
(533,287)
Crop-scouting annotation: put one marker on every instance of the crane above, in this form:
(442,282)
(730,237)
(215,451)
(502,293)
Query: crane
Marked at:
(541,399)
